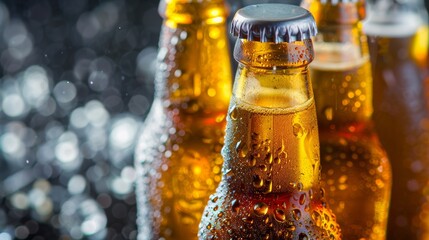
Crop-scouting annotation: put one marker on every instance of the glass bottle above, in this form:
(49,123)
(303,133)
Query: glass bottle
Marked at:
(356,172)
(401,115)
(177,158)
(270,176)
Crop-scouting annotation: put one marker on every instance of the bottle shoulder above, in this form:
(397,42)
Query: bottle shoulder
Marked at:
(166,131)
(364,139)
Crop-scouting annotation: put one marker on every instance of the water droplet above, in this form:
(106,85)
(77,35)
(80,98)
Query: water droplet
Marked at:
(215,199)
(327,218)
(252,161)
(241,149)
(183,35)
(302,199)
(296,214)
(178,73)
(235,205)
(280,157)
(297,130)
(300,186)
(316,218)
(233,113)
(269,185)
(279,215)
(303,236)
(257,181)
(263,167)
(269,158)
(209,226)
(174,40)
(248,220)
(310,193)
(260,209)
(322,192)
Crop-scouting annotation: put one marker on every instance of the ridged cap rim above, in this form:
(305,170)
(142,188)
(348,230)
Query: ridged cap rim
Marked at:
(273,23)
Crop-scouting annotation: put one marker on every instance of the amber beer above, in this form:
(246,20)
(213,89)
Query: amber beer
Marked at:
(178,157)
(401,115)
(355,169)
(270,176)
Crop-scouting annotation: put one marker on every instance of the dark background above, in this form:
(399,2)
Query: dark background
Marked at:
(76,83)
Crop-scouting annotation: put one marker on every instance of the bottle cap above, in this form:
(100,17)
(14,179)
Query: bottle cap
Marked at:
(273,23)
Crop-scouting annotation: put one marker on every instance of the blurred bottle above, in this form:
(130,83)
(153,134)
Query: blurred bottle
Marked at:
(178,157)
(270,184)
(356,173)
(420,45)
(400,114)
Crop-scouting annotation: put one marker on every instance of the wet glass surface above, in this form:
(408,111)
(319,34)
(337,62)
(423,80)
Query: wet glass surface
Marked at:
(76,83)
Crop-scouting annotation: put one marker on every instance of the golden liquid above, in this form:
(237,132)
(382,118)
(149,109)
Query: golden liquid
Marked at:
(269,188)
(355,170)
(180,167)
(401,119)
(178,157)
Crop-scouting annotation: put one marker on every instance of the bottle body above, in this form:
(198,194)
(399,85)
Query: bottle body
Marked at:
(177,158)
(179,168)
(270,183)
(356,172)
(273,207)
(401,120)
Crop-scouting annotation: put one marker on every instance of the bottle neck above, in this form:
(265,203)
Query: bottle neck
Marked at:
(340,13)
(194,71)
(391,50)
(271,144)
(398,79)
(341,74)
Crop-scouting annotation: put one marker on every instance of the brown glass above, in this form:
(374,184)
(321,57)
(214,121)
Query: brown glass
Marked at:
(177,158)
(402,122)
(270,183)
(356,172)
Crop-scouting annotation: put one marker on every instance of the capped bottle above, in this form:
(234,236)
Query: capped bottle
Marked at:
(401,115)
(270,176)
(177,158)
(356,172)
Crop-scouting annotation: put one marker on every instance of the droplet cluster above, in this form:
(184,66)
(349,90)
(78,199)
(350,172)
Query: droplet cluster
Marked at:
(357,178)
(254,199)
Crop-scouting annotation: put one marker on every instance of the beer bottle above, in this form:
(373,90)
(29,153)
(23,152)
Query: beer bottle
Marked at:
(270,176)
(401,115)
(356,173)
(177,158)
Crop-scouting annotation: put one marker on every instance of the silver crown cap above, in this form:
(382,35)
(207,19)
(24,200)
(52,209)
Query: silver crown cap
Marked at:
(273,23)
